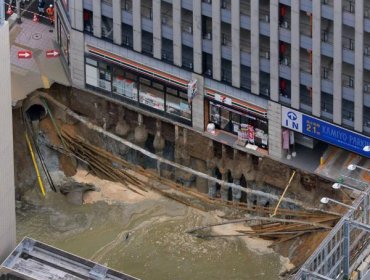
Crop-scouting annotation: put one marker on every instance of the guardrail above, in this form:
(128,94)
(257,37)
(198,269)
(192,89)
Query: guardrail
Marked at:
(345,247)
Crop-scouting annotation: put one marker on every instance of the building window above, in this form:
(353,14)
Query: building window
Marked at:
(107,28)
(122,83)
(98,74)
(127,35)
(88,21)
(177,103)
(125,84)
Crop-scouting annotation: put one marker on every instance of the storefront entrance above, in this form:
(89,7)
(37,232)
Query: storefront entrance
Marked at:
(241,122)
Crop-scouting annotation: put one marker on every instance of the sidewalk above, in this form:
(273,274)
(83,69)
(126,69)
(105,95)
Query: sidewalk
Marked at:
(38,71)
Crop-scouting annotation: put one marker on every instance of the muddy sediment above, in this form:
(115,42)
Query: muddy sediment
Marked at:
(108,240)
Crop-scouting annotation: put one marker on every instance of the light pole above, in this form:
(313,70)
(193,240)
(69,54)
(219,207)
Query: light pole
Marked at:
(326,200)
(338,186)
(352,167)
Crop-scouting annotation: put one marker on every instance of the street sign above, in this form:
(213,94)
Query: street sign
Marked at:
(52,53)
(25,54)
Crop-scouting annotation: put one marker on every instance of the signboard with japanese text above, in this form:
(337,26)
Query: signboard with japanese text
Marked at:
(325,131)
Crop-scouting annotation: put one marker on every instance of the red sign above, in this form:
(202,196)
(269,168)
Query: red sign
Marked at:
(24,54)
(52,53)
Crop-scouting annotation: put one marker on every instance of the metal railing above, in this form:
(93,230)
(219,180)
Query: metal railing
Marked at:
(345,247)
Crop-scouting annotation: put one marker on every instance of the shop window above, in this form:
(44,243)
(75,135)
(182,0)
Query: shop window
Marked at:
(124,85)
(98,74)
(105,76)
(88,21)
(214,115)
(178,106)
(151,97)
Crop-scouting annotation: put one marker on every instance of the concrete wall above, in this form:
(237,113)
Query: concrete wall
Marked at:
(7,197)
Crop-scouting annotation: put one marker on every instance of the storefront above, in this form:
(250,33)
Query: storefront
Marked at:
(309,130)
(62,28)
(138,85)
(244,120)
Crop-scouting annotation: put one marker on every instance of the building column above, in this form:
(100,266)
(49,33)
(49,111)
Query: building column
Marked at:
(235,43)
(274,50)
(337,61)
(295,54)
(157,29)
(216,40)
(255,47)
(198,104)
(316,57)
(97,18)
(177,32)
(359,66)
(77,64)
(117,22)
(7,198)
(197,36)
(76,14)
(136,25)
(275,131)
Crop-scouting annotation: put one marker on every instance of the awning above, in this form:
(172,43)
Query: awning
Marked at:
(235,103)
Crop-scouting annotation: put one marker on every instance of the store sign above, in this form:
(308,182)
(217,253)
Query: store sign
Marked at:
(223,99)
(324,131)
(192,89)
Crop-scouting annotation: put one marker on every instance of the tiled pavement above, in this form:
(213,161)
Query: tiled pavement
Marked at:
(38,71)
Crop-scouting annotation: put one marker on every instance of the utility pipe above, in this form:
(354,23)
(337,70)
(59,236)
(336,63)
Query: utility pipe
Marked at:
(35,165)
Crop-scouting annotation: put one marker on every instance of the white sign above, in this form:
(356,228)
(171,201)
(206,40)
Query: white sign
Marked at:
(291,119)
(192,89)
(223,99)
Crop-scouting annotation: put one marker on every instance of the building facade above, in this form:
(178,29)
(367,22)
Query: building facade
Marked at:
(251,68)
(7,189)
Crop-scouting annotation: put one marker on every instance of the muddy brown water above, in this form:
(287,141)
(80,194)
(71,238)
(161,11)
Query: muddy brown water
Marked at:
(145,239)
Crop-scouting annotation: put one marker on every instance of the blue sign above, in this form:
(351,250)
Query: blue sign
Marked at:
(325,131)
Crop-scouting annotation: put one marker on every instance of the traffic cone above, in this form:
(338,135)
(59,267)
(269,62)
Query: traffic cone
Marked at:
(35,18)
(9,11)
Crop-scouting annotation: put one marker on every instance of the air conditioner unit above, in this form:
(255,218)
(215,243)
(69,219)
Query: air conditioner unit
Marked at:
(164,55)
(267,55)
(350,82)
(224,5)
(209,36)
(190,29)
(325,73)
(190,65)
(267,18)
(286,61)
(285,24)
(367,13)
(164,20)
(325,36)
(267,91)
(209,72)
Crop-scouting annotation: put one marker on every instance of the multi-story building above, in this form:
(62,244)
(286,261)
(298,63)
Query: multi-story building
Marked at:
(259,67)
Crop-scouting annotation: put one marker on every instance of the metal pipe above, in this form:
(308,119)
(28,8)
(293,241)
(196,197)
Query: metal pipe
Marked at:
(35,165)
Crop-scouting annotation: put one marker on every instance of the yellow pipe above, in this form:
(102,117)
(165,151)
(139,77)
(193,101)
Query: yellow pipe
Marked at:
(35,165)
(281,198)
